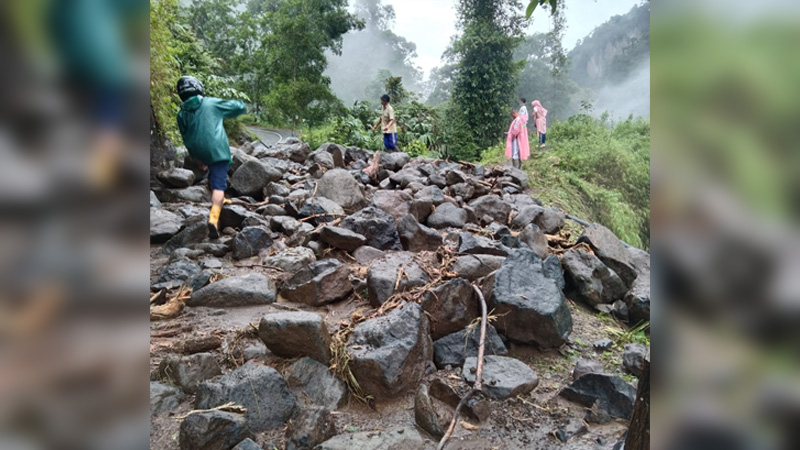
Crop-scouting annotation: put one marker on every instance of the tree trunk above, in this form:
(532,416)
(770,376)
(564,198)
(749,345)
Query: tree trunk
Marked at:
(639,429)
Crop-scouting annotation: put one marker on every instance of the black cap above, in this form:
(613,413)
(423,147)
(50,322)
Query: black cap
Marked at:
(188,87)
(385,98)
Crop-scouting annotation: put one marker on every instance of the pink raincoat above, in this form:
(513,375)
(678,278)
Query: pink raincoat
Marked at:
(539,117)
(518,131)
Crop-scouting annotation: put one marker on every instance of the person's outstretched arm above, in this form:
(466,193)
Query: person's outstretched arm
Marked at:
(231,108)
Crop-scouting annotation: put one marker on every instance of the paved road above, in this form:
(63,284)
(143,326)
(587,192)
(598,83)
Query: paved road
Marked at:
(270,136)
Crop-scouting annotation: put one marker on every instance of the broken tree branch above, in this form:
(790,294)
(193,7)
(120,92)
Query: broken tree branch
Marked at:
(478,373)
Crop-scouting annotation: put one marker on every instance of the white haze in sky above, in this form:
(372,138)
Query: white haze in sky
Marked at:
(632,96)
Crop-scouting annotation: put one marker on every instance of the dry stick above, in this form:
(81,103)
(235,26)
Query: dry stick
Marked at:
(478,374)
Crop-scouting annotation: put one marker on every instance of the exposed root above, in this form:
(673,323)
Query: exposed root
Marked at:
(227,407)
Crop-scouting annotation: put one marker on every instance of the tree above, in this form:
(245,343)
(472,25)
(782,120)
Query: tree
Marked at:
(486,73)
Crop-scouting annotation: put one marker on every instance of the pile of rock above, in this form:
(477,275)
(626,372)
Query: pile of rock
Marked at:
(318,219)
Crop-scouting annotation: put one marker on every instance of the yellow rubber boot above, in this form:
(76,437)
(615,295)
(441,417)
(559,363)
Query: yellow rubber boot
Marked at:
(213,222)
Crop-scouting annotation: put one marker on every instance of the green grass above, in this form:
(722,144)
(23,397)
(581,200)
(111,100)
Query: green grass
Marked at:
(594,172)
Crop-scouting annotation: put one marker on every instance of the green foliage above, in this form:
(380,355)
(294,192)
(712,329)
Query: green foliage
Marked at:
(595,172)
(416,148)
(164,67)
(532,6)
(486,73)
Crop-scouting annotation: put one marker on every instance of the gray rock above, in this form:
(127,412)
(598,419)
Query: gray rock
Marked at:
(391,352)
(532,307)
(297,152)
(602,344)
(382,277)
(491,206)
(154,202)
(393,160)
(396,203)
(591,280)
(233,216)
(314,385)
(455,348)
(613,394)
(503,377)
(176,177)
(276,189)
(430,194)
(535,239)
(400,439)
(295,334)
(189,371)
(551,220)
(271,210)
(242,290)
(195,194)
(633,357)
(520,201)
(551,267)
(526,216)
(287,225)
(611,251)
(259,388)
(292,259)
(247,444)
(250,242)
(473,267)
(376,225)
(479,245)
(341,238)
(163,225)
(518,176)
(321,282)
(463,190)
(322,159)
(311,427)
(477,409)
(638,297)
(416,237)
(425,414)
(212,430)
(447,215)
(340,186)
(450,307)
(182,270)
(164,397)
(454,176)
(194,233)
(212,248)
(321,209)
(583,367)
(252,176)
(366,254)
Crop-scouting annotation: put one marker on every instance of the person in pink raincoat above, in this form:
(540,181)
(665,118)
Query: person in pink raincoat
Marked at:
(540,121)
(517,147)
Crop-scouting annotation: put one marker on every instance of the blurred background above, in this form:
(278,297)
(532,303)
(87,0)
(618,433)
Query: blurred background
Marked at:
(725,201)
(74,247)
(73,214)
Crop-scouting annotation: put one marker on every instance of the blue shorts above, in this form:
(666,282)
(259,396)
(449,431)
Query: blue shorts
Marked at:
(390,141)
(218,175)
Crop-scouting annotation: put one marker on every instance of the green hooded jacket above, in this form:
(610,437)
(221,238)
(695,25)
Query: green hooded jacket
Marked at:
(200,123)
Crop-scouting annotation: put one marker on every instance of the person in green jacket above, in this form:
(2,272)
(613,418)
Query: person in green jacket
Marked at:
(200,124)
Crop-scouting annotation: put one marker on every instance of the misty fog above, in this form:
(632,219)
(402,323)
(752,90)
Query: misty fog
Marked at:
(631,96)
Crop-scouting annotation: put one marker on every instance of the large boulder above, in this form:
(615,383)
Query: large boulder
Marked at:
(164,397)
(314,385)
(396,203)
(518,176)
(181,269)
(473,267)
(177,177)
(611,251)
(469,244)
(416,237)
(591,281)
(531,307)
(212,430)
(448,215)
(450,307)
(340,186)
(455,348)
(292,259)
(319,210)
(320,282)
(391,353)
(341,238)
(376,225)
(535,239)
(633,357)
(503,377)
(260,389)
(194,233)
(252,176)
(550,220)
(638,297)
(612,394)
(382,277)
(297,152)
(189,371)
(250,241)
(294,334)
(393,161)
(491,208)
(551,267)
(163,225)
(526,216)
(242,290)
